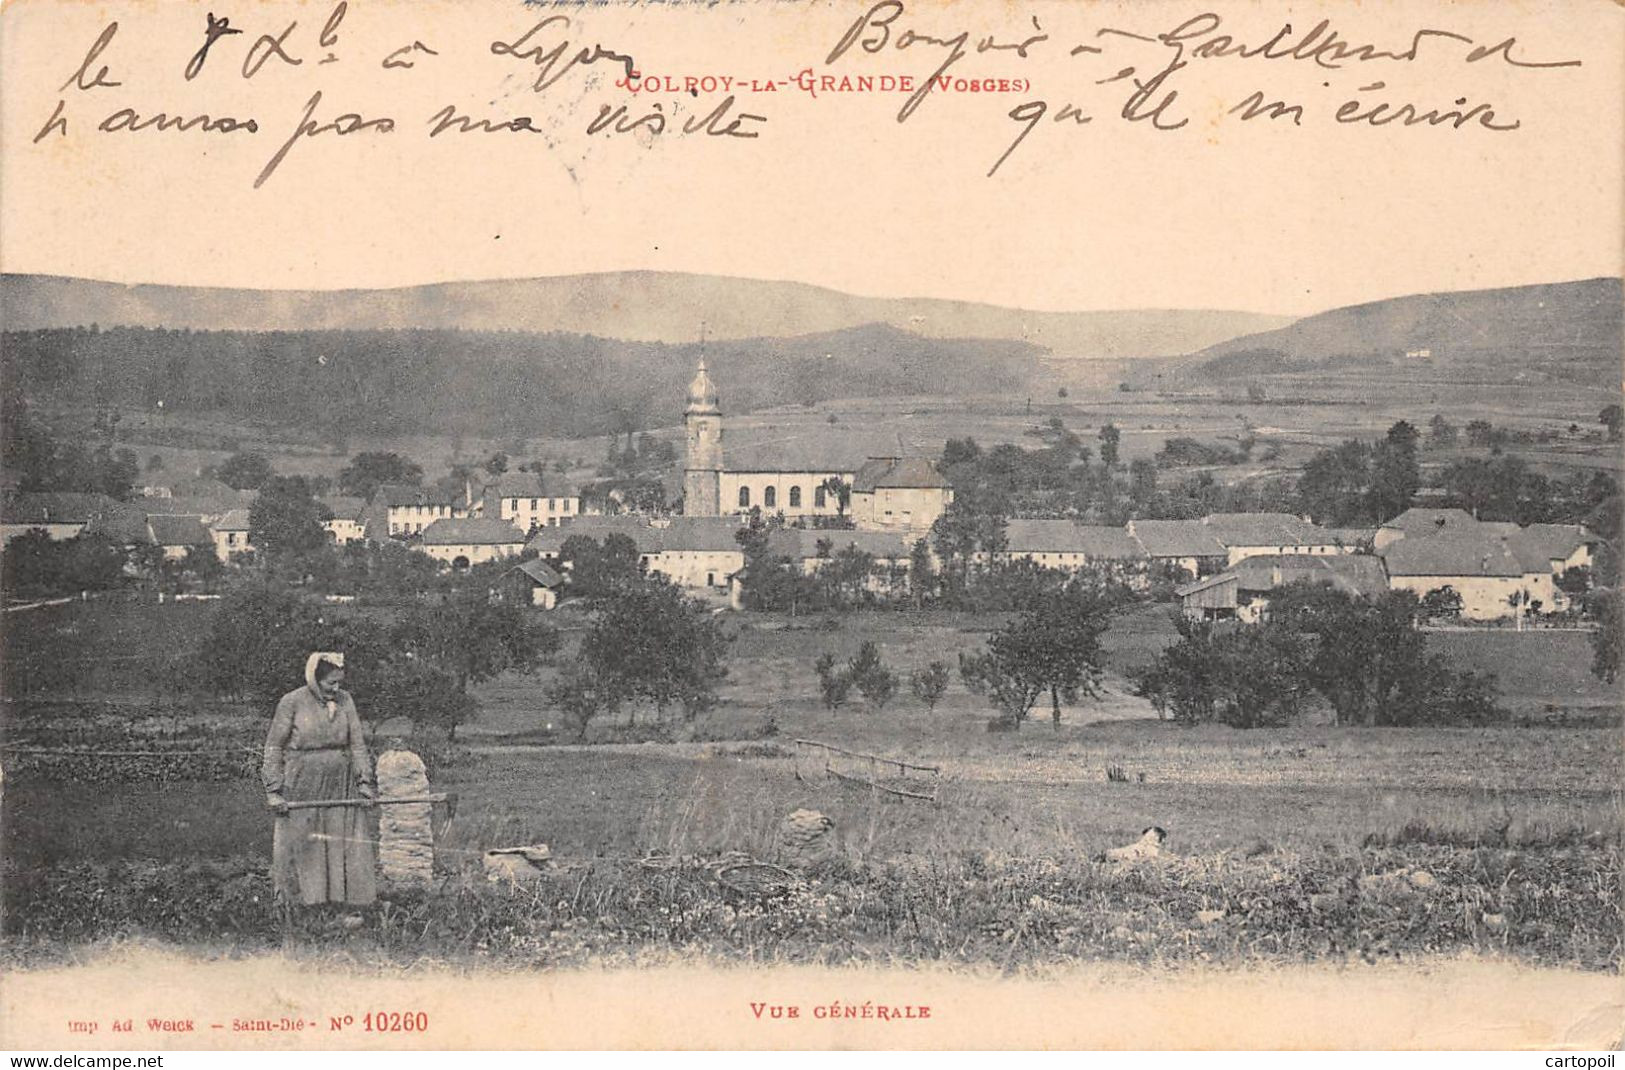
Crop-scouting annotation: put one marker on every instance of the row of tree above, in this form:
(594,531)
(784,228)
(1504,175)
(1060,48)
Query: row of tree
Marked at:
(1365,658)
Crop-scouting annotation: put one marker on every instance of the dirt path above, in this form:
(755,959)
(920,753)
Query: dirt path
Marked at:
(1441,1004)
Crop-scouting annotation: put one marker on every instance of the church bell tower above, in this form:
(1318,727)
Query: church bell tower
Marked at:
(702,463)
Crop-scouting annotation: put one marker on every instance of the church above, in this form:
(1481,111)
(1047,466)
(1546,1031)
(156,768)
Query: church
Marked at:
(884,493)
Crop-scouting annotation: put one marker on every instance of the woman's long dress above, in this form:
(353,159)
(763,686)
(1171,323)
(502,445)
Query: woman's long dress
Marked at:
(323,854)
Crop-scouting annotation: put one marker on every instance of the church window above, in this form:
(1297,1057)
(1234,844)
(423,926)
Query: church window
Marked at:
(820,496)
(770,497)
(795,497)
(744,497)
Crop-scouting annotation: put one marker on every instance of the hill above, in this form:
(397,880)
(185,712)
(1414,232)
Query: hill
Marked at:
(1567,330)
(639,306)
(478,382)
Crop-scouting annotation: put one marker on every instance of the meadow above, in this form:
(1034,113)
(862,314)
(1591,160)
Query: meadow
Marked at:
(1295,836)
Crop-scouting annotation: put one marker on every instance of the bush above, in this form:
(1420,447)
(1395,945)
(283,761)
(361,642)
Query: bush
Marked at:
(929,684)
(833,684)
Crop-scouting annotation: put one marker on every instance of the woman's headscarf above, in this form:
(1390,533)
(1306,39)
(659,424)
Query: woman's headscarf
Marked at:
(334,659)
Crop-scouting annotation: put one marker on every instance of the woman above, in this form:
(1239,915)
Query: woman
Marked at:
(315,750)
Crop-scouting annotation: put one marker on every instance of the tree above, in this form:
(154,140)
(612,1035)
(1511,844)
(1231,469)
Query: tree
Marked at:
(922,574)
(1606,643)
(472,639)
(579,697)
(1054,648)
(261,634)
(1395,472)
(366,472)
(833,682)
(1441,603)
(34,563)
(1441,432)
(497,464)
(286,520)
(840,490)
(869,674)
(929,684)
(1110,437)
(652,643)
(1612,418)
(599,570)
(1333,488)
(244,471)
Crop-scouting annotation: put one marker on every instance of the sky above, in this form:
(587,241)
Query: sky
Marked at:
(1286,215)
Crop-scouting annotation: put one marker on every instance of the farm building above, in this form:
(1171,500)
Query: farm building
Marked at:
(1498,568)
(1246,535)
(533,583)
(178,536)
(899,492)
(60,515)
(464,541)
(1242,592)
(231,534)
(1067,545)
(694,552)
(1182,544)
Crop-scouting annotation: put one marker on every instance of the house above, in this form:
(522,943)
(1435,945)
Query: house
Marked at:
(533,583)
(1246,535)
(899,492)
(464,541)
(1479,565)
(1242,592)
(178,535)
(1067,545)
(1187,545)
(61,515)
(527,501)
(349,520)
(693,552)
(231,536)
(409,510)
(698,553)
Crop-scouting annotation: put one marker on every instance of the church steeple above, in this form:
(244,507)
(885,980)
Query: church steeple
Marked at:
(702,394)
(702,463)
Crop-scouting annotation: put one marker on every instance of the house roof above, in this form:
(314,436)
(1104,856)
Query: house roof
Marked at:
(1349,536)
(344,507)
(398,495)
(1067,537)
(1462,552)
(53,507)
(897,472)
(800,544)
(548,540)
(1176,538)
(530,485)
(1263,529)
(696,533)
(1419,520)
(234,520)
(1362,575)
(1357,574)
(540,572)
(472,531)
(171,530)
(123,523)
(1538,545)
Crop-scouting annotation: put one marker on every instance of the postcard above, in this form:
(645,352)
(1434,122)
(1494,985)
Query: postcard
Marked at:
(858,524)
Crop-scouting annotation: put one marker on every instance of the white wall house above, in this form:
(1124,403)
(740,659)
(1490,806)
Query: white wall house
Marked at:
(464,541)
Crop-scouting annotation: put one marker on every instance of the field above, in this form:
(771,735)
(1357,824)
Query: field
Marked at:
(1302,837)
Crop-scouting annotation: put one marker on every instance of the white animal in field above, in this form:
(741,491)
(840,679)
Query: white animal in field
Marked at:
(1149,845)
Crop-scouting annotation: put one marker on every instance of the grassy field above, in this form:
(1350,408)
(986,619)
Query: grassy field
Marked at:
(1263,824)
